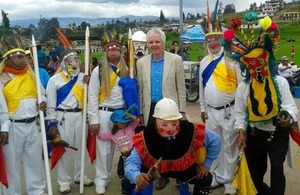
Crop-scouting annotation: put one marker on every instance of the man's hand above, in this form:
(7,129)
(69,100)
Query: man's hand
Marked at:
(53,132)
(142,181)
(203,116)
(3,138)
(142,120)
(241,140)
(95,128)
(202,171)
(42,106)
(86,79)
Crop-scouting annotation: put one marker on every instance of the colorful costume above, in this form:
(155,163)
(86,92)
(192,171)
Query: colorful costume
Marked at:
(259,100)
(17,82)
(178,155)
(104,97)
(65,104)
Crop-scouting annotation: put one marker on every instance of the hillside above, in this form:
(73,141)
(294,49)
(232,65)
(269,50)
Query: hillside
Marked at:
(278,16)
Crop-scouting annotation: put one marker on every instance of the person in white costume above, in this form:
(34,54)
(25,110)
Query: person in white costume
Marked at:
(218,80)
(65,103)
(104,97)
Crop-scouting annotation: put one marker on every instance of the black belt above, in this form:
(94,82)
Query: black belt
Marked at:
(26,120)
(222,107)
(69,110)
(110,109)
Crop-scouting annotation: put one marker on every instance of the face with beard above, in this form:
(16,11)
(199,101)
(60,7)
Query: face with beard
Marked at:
(140,49)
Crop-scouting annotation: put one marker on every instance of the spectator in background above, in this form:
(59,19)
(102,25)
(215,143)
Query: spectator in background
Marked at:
(52,51)
(53,65)
(285,69)
(200,58)
(175,47)
(95,63)
(293,52)
(176,50)
(42,58)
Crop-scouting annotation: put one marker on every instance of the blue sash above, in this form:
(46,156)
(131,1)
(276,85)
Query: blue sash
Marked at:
(63,92)
(210,69)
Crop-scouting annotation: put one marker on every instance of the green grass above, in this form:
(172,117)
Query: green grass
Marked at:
(288,30)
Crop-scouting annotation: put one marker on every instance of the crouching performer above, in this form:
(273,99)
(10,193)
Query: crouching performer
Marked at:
(177,143)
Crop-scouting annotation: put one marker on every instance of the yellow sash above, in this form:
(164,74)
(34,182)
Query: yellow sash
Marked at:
(225,78)
(20,87)
(77,90)
(112,80)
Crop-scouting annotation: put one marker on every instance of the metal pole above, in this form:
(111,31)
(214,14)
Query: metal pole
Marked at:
(181,25)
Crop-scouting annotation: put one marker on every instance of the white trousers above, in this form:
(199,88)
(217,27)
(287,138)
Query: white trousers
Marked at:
(70,129)
(25,145)
(104,151)
(222,123)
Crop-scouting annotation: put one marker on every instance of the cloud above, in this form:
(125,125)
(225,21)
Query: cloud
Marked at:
(110,9)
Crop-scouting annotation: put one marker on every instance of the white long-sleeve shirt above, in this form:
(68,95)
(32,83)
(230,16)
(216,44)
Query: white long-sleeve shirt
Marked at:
(115,99)
(287,104)
(4,120)
(210,95)
(70,102)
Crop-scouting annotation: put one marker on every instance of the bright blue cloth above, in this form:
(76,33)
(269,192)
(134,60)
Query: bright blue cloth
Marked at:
(157,72)
(44,77)
(210,69)
(63,92)
(41,58)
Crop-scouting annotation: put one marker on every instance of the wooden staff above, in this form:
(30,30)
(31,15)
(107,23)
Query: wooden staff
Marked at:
(86,72)
(130,53)
(41,114)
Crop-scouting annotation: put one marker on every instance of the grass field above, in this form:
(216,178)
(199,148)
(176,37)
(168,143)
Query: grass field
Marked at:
(288,30)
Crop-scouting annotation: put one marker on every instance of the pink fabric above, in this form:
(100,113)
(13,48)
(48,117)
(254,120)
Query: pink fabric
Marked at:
(123,137)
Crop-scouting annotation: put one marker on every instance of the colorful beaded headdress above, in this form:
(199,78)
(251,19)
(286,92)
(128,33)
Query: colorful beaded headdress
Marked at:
(257,60)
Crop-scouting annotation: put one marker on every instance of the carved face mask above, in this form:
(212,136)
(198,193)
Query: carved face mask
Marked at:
(140,49)
(167,129)
(71,64)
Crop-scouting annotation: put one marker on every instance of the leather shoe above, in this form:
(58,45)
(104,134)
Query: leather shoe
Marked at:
(86,182)
(162,182)
(230,191)
(215,184)
(64,189)
(100,190)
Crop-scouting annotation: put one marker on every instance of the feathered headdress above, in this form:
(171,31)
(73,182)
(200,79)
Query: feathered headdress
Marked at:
(11,44)
(211,25)
(68,47)
(111,39)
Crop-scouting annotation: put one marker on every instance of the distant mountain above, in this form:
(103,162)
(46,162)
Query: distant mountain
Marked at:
(24,23)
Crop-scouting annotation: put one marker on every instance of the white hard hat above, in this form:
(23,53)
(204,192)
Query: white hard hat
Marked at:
(139,36)
(167,109)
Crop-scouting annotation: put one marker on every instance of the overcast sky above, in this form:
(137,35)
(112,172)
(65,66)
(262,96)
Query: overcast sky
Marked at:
(22,9)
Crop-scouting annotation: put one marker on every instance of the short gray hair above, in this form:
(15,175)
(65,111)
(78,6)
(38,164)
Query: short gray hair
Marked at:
(156,30)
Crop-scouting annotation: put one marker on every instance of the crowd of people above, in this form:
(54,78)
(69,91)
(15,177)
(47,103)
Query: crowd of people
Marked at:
(238,113)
